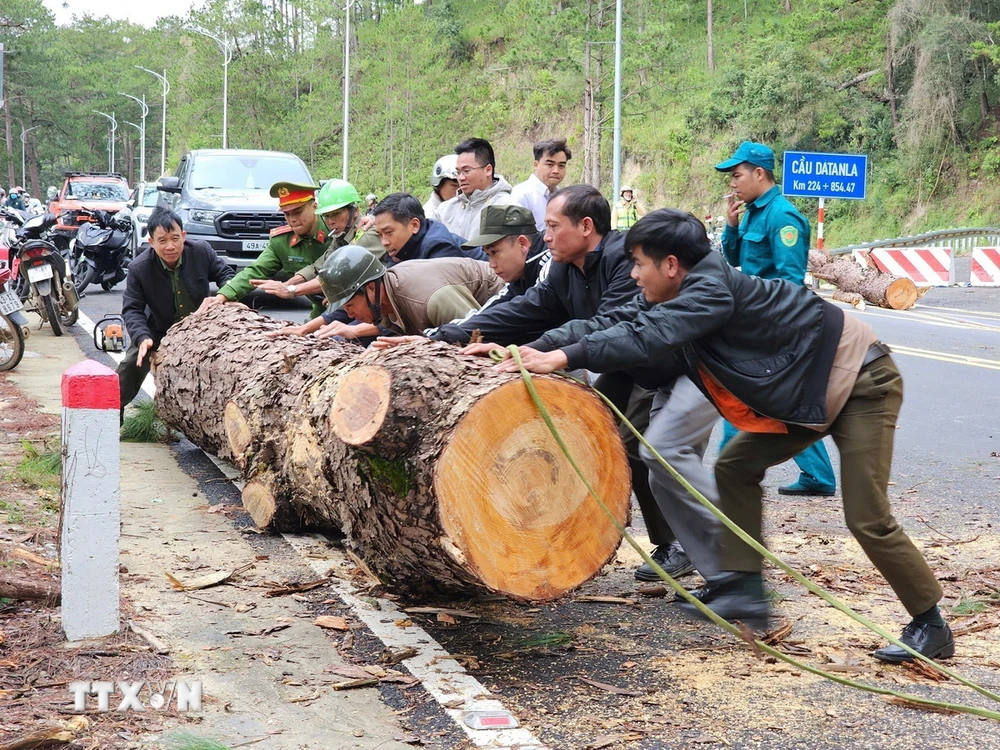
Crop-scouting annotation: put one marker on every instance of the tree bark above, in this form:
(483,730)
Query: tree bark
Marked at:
(881,289)
(29,587)
(438,469)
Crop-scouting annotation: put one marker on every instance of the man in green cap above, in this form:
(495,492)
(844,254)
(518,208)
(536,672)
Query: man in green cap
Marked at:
(771,241)
(300,242)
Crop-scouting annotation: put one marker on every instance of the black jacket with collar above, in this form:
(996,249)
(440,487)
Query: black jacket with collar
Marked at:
(567,293)
(148,304)
(768,342)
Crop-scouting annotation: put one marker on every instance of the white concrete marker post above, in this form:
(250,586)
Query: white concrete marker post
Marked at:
(91,509)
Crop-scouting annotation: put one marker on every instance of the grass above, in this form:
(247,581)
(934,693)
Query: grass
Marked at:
(188,741)
(968,607)
(40,469)
(143,425)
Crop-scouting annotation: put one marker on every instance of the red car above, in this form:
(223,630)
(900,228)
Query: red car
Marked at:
(82,190)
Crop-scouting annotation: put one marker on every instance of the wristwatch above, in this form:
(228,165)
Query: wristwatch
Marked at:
(291,288)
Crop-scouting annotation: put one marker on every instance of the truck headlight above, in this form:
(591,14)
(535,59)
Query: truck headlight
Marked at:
(199,216)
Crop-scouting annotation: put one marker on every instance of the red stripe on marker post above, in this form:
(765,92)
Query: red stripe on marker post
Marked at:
(90,385)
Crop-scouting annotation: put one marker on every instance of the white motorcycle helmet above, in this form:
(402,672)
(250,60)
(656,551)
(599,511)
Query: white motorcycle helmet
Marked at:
(445,168)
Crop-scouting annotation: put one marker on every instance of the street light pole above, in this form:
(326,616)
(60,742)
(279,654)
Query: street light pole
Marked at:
(618,102)
(111,147)
(142,134)
(347,81)
(163,132)
(227,57)
(24,132)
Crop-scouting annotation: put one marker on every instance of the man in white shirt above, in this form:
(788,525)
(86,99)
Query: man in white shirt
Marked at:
(550,169)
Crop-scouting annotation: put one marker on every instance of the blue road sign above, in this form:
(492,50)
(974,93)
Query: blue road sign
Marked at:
(811,175)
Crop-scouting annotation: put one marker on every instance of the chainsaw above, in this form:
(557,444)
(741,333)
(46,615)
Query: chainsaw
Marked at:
(109,334)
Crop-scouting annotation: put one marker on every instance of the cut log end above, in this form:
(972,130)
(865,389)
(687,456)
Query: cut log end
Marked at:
(901,294)
(512,507)
(361,403)
(260,502)
(238,431)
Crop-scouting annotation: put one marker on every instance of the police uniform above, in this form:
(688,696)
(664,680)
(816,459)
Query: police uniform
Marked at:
(286,252)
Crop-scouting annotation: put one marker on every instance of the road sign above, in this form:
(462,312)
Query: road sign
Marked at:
(812,175)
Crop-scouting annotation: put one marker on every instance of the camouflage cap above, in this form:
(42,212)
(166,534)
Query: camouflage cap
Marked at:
(497,222)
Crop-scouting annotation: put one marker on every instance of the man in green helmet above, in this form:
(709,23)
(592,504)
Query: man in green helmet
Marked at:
(403,299)
(315,225)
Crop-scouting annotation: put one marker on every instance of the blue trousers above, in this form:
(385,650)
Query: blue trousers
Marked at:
(815,469)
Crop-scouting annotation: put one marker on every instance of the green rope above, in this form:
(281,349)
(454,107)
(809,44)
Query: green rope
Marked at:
(708,613)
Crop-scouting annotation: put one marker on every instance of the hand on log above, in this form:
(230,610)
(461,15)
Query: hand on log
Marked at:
(534,361)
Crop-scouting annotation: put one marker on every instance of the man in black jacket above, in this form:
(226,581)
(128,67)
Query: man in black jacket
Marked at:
(166,282)
(407,234)
(786,368)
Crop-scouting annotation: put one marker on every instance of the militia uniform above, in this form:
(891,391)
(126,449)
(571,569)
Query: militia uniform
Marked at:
(772,242)
(286,252)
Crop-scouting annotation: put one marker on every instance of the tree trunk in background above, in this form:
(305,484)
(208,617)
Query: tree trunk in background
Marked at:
(438,469)
(10,147)
(870,284)
(711,49)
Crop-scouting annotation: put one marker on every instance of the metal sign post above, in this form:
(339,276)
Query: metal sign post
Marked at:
(817,175)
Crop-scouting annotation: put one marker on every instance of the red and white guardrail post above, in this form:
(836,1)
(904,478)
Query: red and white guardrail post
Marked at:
(91,504)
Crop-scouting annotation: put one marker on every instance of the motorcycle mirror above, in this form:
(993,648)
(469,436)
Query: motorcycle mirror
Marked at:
(109,334)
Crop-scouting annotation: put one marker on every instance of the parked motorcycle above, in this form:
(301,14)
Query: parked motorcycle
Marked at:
(102,249)
(13,324)
(38,272)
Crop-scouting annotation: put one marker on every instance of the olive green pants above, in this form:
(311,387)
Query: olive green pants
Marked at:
(863,432)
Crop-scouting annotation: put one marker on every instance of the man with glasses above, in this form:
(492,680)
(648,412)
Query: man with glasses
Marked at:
(478,187)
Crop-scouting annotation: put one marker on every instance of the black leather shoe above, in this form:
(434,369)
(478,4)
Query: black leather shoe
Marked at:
(671,558)
(740,597)
(933,641)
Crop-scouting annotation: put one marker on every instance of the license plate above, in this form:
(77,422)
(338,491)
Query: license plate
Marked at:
(40,273)
(9,303)
(254,246)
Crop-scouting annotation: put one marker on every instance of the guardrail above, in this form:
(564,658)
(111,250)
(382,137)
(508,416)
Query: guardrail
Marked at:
(958,240)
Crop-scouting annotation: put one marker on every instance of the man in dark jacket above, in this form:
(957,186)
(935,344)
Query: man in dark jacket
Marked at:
(786,368)
(166,282)
(406,234)
(588,275)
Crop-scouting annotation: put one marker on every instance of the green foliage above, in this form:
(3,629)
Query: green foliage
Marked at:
(968,607)
(142,425)
(425,76)
(189,741)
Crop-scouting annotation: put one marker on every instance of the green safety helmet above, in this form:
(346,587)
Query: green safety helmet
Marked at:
(336,194)
(346,272)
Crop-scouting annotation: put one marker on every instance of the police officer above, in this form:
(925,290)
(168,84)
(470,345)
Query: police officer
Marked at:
(297,244)
(771,241)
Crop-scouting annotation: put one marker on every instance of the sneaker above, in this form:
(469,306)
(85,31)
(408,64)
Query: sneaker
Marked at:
(798,488)
(671,557)
(933,641)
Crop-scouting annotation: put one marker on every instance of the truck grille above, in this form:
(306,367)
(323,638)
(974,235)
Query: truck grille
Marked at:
(249,224)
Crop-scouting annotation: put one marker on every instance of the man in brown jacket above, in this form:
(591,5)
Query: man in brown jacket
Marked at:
(404,299)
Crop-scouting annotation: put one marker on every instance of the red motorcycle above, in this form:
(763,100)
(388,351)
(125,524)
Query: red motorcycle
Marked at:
(13,324)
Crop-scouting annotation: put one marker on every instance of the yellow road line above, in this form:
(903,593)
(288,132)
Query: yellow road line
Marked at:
(976,313)
(956,359)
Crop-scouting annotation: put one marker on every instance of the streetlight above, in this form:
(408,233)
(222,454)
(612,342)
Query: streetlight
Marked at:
(227,56)
(617,148)
(142,134)
(141,129)
(347,78)
(24,133)
(163,134)
(111,144)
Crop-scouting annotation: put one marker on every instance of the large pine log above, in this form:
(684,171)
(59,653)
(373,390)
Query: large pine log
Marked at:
(882,289)
(438,469)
